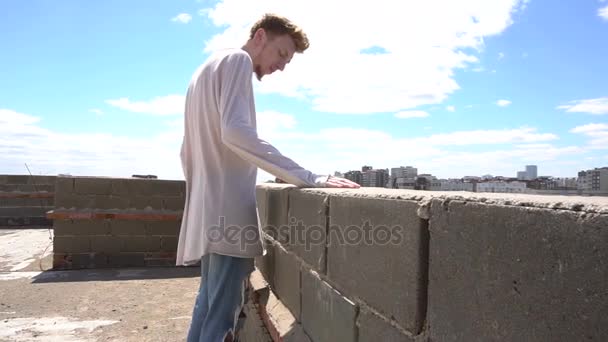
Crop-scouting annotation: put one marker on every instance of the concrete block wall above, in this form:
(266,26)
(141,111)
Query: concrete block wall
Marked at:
(400,265)
(25,199)
(116,222)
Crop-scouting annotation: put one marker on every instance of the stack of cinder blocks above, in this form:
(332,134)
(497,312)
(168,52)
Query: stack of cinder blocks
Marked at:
(25,199)
(465,267)
(116,222)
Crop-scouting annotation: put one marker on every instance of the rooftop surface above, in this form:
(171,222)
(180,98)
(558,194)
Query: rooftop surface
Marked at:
(127,304)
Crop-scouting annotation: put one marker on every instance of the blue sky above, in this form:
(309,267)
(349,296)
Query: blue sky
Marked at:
(453,88)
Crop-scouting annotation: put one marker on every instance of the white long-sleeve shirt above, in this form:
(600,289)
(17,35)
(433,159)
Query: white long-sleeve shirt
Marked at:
(220,155)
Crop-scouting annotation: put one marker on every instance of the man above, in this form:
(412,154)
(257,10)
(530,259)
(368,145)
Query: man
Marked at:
(220,155)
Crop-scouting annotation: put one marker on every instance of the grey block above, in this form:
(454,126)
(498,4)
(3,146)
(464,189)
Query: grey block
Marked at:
(326,314)
(25,221)
(148,187)
(93,186)
(167,228)
(140,243)
(287,280)
(110,202)
(507,273)
(373,329)
(145,202)
(168,243)
(127,227)
(272,203)
(74,201)
(71,244)
(79,261)
(106,244)
(377,252)
(173,203)
(35,188)
(18,179)
(81,227)
(308,227)
(24,211)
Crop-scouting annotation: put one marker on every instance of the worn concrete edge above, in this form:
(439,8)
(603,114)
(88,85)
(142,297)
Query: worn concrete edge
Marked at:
(594,204)
(278,320)
(306,267)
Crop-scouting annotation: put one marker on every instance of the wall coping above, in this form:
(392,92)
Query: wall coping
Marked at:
(593,204)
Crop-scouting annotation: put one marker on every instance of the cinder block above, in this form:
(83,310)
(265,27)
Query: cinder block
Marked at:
(18,179)
(110,202)
(25,221)
(126,260)
(308,227)
(127,227)
(152,187)
(93,186)
(272,204)
(73,201)
(27,188)
(168,243)
(512,273)
(106,244)
(377,252)
(167,228)
(71,244)
(81,227)
(38,202)
(64,185)
(145,202)
(24,211)
(173,203)
(326,314)
(62,261)
(140,243)
(374,329)
(287,280)
(3,179)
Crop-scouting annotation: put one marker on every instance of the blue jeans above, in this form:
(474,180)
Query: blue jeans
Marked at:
(220,298)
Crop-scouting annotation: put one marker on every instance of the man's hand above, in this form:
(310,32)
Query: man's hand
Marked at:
(337,182)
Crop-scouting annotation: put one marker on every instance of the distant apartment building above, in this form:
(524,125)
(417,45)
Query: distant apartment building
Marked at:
(355,176)
(455,185)
(593,180)
(375,178)
(503,187)
(522,175)
(403,177)
(530,173)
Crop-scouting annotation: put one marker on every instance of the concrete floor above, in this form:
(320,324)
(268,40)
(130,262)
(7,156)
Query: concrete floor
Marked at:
(37,304)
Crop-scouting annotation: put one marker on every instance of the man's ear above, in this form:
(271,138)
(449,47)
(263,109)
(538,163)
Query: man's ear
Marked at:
(260,36)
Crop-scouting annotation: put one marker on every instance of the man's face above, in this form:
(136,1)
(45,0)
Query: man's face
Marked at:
(275,54)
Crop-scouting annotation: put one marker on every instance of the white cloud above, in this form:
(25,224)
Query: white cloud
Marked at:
(501,55)
(183,18)
(450,109)
(23,140)
(417,69)
(96,111)
(163,105)
(503,103)
(597,134)
(597,106)
(412,114)
(590,128)
(603,12)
